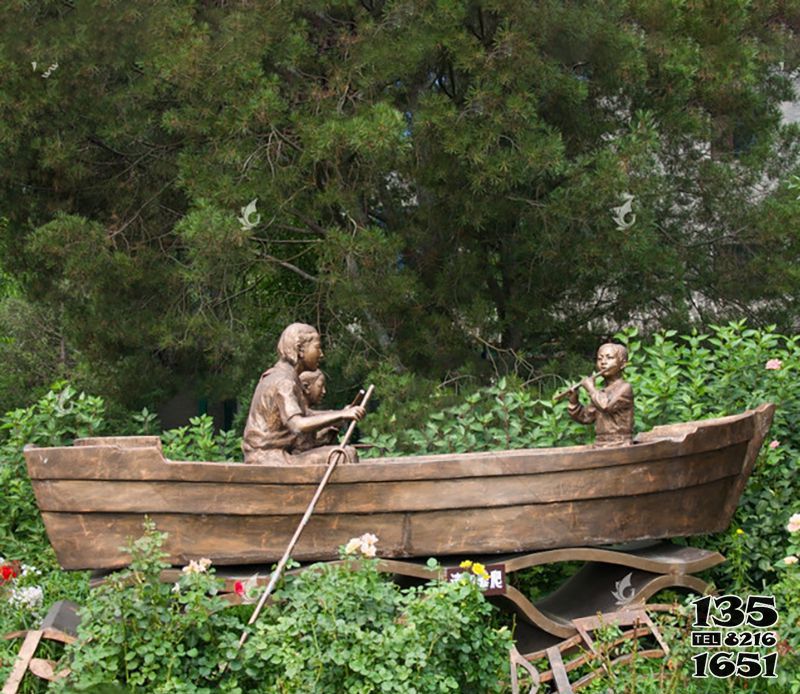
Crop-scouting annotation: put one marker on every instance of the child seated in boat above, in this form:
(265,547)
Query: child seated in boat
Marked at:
(611,407)
(279,417)
(313,384)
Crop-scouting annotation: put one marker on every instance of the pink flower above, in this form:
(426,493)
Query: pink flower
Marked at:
(353,545)
(794,523)
(364,544)
(773,365)
(774,444)
(238,588)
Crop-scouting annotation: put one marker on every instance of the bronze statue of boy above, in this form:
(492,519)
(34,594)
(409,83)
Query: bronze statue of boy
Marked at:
(313,384)
(280,421)
(610,408)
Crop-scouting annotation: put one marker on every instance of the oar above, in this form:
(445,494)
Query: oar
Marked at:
(333,461)
(564,393)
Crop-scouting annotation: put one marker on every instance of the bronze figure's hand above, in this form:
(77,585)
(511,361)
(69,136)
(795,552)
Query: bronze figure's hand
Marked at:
(355,412)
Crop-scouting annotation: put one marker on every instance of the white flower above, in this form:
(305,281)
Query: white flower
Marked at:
(176,588)
(364,544)
(353,545)
(368,539)
(197,567)
(794,523)
(791,559)
(28,596)
(27,570)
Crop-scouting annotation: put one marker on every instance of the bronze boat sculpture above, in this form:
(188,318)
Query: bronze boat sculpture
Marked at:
(676,480)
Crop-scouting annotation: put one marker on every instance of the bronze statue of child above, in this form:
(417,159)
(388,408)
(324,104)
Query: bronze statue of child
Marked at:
(313,384)
(280,419)
(610,408)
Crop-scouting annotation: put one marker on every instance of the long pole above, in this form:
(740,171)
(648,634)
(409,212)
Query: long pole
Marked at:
(336,455)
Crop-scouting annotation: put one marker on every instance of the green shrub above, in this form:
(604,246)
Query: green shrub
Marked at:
(787,592)
(332,629)
(56,419)
(346,628)
(141,633)
(199,442)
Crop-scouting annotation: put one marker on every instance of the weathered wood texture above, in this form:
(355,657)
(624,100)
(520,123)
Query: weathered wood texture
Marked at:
(22,661)
(680,480)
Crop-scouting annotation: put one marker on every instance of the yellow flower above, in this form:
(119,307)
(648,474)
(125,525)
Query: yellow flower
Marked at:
(480,570)
(739,531)
(465,564)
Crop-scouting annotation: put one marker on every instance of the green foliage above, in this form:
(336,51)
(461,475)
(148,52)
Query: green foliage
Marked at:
(58,417)
(346,628)
(493,418)
(145,634)
(198,441)
(787,591)
(333,628)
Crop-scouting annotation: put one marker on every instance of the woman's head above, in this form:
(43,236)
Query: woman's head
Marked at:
(298,341)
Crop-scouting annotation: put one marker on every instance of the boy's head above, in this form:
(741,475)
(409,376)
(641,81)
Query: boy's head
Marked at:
(313,383)
(611,359)
(300,340)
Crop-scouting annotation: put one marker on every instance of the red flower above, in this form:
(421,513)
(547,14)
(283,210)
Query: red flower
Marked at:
(9,571)
(238,588)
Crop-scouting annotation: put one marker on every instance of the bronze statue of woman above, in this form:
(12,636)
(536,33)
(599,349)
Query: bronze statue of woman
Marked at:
(280,418)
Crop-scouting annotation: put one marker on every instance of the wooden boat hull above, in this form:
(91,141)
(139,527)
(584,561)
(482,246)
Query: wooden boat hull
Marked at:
(677,480)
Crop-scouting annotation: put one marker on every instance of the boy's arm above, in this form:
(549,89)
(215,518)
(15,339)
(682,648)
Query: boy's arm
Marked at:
(581,414)
(294,416)
(299,424)
(610,400)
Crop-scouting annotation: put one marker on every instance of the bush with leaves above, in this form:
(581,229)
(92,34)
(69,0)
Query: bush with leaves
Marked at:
(347,629)
(54,420)
(198,441)
(787,592)
(335,628)
(145,634)
(728,370)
